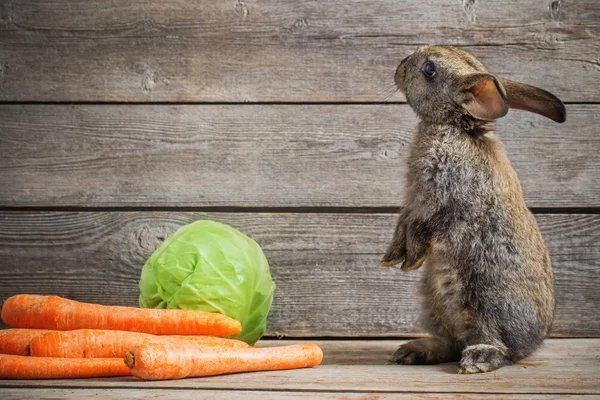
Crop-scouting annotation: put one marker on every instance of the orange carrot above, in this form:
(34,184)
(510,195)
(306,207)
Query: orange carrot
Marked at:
(52,312)
(86,343)
(20,367)
(16,341)
(156,361)
(210,341)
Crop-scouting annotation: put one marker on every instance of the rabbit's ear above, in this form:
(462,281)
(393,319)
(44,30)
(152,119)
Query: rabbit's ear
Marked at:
(530,98)
(483,97)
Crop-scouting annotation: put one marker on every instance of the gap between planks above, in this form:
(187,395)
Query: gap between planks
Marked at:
(266,210)
(176,394)
(226,103)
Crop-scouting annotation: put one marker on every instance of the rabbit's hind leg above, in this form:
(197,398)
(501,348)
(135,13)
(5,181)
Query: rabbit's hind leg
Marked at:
(425,351)
(481,358)
(503,330)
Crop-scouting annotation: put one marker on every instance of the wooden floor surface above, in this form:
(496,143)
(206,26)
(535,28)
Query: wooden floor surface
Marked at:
(353,369)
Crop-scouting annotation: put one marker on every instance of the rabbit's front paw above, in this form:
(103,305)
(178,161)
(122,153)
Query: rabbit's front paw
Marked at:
(414,262)
(481,358)
(394,255)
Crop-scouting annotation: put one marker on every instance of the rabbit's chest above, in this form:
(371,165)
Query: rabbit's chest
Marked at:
(443,174)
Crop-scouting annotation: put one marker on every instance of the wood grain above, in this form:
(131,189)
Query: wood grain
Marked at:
(568,366)
(263,50)
(181,394)
(325,266)
(262,156)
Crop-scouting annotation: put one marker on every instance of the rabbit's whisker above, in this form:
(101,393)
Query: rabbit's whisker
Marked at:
(391,94)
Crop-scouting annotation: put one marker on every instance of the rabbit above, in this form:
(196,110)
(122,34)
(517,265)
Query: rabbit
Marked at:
(488,285)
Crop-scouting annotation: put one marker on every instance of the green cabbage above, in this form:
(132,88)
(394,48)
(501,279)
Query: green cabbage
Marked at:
(211,267)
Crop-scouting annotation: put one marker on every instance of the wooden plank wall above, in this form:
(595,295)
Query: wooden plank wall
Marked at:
(122,120)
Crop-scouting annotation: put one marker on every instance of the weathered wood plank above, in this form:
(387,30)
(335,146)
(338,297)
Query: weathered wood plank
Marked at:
(256,156)
(567,366)
(174,394)
(324,265)
(268,50)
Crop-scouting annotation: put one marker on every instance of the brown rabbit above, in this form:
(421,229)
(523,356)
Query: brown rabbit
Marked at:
(487,282)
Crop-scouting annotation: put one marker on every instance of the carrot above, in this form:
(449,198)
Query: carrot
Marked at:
(156,361)
(210,341)
(52,312)
(16,341)
(84,343)
(20,367)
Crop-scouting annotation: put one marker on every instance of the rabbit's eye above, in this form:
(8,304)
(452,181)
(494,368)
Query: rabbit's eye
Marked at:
(429,69)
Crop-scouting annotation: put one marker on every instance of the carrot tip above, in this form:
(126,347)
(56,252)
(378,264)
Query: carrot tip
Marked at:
(129,360)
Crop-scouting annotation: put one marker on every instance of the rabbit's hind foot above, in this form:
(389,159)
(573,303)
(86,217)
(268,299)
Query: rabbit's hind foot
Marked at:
(424,351)
(481,358)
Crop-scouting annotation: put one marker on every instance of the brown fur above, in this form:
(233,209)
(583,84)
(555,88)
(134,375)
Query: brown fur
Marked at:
(487,282)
